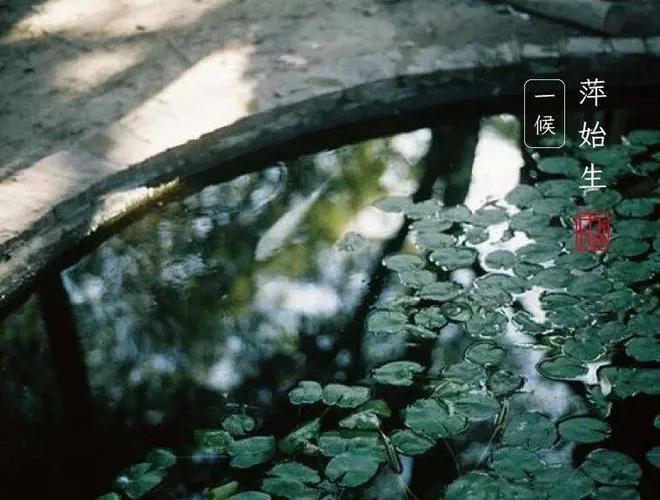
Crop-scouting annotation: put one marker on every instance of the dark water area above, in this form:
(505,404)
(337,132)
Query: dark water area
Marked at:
(220,303)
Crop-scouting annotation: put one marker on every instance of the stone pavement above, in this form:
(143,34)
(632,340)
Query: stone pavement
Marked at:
(102,107)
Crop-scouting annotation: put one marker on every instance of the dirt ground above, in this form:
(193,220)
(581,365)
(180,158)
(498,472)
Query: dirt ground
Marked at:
(69,68)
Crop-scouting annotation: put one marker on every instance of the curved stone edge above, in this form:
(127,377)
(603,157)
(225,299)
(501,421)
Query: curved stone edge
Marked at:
(74,194)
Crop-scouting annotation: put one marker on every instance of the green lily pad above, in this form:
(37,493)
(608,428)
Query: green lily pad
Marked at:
(528,326)
(432,419)
(616,493)
(473,486)
(584,430)
(529,222)
(308,392)
(490,296)
(251,451)
(476,235)
(423,209)
(611,468)
(538,253)
(432,225)
(526,270)
(552,206)
(559,188)
(393,203)
(297,471)
(635,207)
(570,317)
(553,278)
(590,286)
(250,495)
(485,353)
(523,195)
(287,487)
(362,420)
(238,425)
(384,322)
(603,199)
(612,332)
(474,404)
(352,468)
(627,382)
(500,259)
(335,443)
(161,458)
(457,213)
(584,348)
(410,443)
(488,216)
(557,301)
(212,440)
(636,228)
(403,262)
(441,291)
(399,373)
(504,382)
(419,333)
(486,323)
(139,480)
(629,273)
(628,247)
(561,368)
(434,241)
(644,348)
(563,165)
(598,399)
(417,278)
(431,318)
(644,324)
(464,371)
(457,310)
(653,456)
(577,260)
(296,441)
(644,137)
(345,396)
(562,482)
(515,464)
(531,431)
(450,259)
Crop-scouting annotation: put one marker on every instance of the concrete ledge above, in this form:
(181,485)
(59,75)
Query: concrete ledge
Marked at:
(73,197)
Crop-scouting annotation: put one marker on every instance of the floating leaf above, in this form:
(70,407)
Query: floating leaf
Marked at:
(590,286)
(297,440)
(433,241)
(410,443)
(238,425)
(488,217)
(431,318)
(531,431)
(362,420)
(457,213)
(297,471)
(393,203)
(161,458)
(398,373)
(552,206)
(563,165)
(644,348)
(334,443)
(403,262)
(289,488)
(473,486)
(562,482)
(553,278)
(416,278)
(644,137)
(251,451)
(515,464)
(476,235)
(602,200)
(500,259)
(420,333)
(561,368)
(557,301)
(629,272)
(523,195)
(486,323)
(457,310)
(526,270)
(628,247)
(423,209)
(559,188)
(644,324)
(529,222)
(431,225)
(616,493)
(485,353)
(384,322)
(344,396)
(653,456)
(538,253)
(433,419)
(504,382)
(212,440)
(628,382)
(582,347)
(450,259)
(584,430)
(250,495)
(612,468)
(508,283)
(465,371)
(109,496)
(635,207)
(527,325)
(440,291)
(475,404)
(137,484)
(577,260)
(570,317)
(351,469)
(308,392)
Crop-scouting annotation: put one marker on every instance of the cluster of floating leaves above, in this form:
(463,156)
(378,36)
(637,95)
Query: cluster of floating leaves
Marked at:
(593,305)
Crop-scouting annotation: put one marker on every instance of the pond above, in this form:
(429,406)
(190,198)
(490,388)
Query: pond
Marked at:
(327,327)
